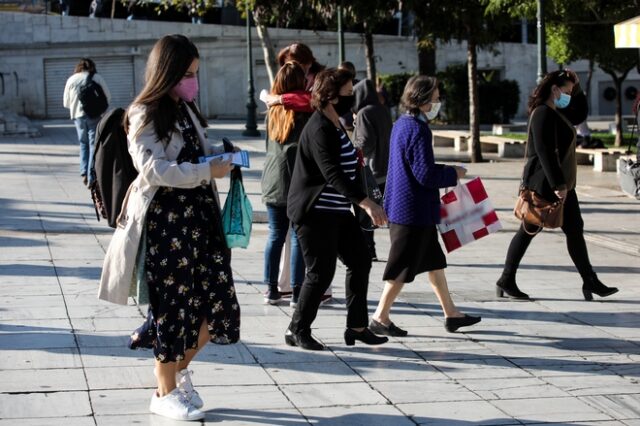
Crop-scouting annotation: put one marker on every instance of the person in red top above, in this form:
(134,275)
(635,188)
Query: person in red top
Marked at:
(299,101)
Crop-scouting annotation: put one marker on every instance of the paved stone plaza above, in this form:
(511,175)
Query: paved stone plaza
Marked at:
(556,360)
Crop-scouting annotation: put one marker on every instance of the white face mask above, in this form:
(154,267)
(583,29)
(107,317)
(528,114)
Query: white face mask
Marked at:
(435,109)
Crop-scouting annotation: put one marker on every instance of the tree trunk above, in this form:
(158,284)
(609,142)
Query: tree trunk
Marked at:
(587,88)
(474,116)
(369,55)
(268,51)
(617,81)
(427,61)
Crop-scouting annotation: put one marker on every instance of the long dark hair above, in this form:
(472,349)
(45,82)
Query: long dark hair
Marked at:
(168,62)
(85,64)
(281,121)
(543,90)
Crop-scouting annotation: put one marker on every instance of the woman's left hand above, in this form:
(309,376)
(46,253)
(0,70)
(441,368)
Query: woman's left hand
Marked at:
(375,212)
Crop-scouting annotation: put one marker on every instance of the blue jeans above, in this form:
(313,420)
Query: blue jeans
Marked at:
(278,226)
(86,129)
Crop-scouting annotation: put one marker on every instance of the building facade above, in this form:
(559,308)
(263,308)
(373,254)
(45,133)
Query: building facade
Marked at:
(39,53)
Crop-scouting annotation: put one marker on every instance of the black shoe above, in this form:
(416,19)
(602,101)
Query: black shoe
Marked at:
(593,285)
(303,340)
(509,287)
(453,323)
(387,330)
(365,336)
(295,296)
(272,296)
(85,181)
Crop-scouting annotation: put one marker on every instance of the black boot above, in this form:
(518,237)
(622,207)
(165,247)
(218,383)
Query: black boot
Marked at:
(507,285)
(303,340)
(592,285)
(365,336)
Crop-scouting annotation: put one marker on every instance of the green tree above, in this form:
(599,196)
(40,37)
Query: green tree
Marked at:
(279,13)
(461,20)
(367,14)
(583,29)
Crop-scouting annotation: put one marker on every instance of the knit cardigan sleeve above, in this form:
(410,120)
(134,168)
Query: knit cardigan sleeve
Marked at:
(419,156)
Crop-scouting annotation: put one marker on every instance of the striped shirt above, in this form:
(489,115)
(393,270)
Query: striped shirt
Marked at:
(330,199)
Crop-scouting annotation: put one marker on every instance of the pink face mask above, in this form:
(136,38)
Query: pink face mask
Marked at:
(187,89)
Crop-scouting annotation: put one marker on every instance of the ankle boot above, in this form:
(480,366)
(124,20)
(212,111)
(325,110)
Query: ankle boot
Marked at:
(507,285)
(303,339)
(365,336)
(592,285)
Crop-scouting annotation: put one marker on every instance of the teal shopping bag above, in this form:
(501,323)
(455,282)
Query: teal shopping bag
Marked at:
(237,213)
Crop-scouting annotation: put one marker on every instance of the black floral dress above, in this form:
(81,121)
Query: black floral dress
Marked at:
(187,266)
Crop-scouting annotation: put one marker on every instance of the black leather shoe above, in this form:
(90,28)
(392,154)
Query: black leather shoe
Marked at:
(508,287)
(365,336)
(303,340)
(387,330)
(453,323)
(593,286)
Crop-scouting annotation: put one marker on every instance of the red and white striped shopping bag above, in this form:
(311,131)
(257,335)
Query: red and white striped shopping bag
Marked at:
(466,215)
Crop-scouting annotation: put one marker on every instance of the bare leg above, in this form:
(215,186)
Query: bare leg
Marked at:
(203,338)
(389,294)
(440,287)
(166,376)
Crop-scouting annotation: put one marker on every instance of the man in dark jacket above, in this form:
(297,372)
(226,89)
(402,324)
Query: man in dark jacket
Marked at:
(372,131)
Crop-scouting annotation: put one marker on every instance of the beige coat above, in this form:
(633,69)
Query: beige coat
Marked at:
(157,166)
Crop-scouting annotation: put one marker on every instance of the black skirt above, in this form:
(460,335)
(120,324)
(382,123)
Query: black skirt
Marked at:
(414,249)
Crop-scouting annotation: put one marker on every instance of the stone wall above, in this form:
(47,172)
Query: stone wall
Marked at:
(27,41)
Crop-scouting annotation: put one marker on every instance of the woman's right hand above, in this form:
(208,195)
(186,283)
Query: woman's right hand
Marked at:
(272,100)
(219,167)
(460,171)
(561,194)
(375,212)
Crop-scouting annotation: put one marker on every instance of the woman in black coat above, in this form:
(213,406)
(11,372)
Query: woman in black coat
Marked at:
(323,189)
(556,105)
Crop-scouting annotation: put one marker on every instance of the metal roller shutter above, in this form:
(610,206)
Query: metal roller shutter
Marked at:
(117,72)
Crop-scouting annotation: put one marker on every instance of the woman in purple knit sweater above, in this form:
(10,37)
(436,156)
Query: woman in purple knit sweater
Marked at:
(412,202)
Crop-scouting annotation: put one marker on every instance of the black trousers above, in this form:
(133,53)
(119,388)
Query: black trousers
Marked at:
(573,227)
(323,238)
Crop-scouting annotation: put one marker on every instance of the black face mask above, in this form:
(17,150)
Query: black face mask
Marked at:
(344,105)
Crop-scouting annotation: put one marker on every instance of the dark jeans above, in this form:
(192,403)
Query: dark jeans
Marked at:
(324,237)
(279,225)
(573,227)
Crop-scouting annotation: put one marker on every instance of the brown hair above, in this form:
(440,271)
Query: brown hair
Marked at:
(417,92)
(327,86)
(168,62)
(296,52)
(280,121)
(543,90)
(85,64)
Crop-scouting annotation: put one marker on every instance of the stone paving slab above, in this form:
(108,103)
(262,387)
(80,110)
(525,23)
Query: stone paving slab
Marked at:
(555,360)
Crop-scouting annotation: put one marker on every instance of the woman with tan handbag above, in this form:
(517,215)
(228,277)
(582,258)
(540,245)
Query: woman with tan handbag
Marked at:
(556,105)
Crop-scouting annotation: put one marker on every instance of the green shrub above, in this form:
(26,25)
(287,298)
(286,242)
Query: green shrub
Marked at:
(394,83)
(499,99)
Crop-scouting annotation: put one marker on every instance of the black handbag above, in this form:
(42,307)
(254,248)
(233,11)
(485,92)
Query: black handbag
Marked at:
(373,191)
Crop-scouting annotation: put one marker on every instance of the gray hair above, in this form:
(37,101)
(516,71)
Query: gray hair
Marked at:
(417,92)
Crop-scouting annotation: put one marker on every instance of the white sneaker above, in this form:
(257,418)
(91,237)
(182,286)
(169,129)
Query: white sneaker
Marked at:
(174,405)
(183,380)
